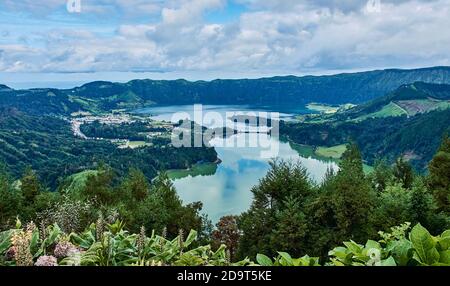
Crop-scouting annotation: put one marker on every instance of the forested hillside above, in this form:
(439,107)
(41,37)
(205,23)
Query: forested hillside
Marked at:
(48,145)
(290,91)
(408,122)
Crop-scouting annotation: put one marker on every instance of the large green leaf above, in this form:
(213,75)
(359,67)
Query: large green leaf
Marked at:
(445,257)
(191,238)
(402,251)
(263,260)
(444,241)
(34,244)
(354,247)
(286,259)
(424,246)
(5,241)
(389,262)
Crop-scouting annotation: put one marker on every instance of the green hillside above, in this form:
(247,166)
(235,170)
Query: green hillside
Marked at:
(47,144)
(403,123)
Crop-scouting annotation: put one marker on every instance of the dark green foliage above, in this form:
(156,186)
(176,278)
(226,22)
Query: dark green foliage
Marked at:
(30,186)
(284,181)
(403,173)
(352,198)
(10,200)
(99,187)
(381,176)
(162,210)
(393,207)
(291,228)
(440,175)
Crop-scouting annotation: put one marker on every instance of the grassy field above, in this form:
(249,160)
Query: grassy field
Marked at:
(203,169)
(390,110)
(331,154)
(334,152)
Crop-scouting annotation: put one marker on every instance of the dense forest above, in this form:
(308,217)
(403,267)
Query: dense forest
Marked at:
(278,91)
(289,214)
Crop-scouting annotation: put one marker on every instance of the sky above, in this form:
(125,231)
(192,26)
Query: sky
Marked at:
(48,43)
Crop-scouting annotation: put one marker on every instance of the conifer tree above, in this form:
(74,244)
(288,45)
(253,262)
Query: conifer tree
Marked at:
(440,175)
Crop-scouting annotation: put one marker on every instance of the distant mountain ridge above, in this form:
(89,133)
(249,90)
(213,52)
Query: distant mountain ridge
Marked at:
(289,90)
(4,87)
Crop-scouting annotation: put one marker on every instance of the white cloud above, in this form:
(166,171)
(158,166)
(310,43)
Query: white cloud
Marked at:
(273,36)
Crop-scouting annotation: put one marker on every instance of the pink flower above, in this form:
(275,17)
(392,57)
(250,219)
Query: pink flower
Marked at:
(64,249)
(46,261)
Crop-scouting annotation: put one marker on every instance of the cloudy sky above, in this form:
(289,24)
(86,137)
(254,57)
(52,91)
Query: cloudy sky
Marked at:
(41,41)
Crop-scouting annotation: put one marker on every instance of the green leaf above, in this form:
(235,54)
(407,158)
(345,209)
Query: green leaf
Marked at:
(372,244)
(286,259)
(445,257)
(388,262)
(263,260)
(18,223)
(191,238)
(5,241)
(354,247)
(424,245)
(444,241)
(402,251)
(34,244)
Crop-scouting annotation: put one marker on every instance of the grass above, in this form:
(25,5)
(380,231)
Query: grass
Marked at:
(334,152)
(203,169)
(390,110)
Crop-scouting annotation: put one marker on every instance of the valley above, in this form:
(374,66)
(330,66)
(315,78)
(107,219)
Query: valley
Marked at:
(109,146)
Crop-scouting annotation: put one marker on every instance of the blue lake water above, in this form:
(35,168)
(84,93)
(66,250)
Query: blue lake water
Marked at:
(227,192)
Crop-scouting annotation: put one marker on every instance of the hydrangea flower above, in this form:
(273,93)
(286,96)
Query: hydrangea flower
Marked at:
(46,261)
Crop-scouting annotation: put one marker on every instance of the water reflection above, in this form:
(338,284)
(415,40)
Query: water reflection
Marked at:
(228,190)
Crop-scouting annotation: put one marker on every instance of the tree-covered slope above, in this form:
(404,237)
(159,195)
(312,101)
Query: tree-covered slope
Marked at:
(415,137)
(290,90)
(47,144)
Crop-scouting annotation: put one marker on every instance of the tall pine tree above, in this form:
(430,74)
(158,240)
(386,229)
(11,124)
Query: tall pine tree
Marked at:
(440,175)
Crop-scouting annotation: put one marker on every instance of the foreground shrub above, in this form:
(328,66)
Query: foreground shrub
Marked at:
(103,244)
